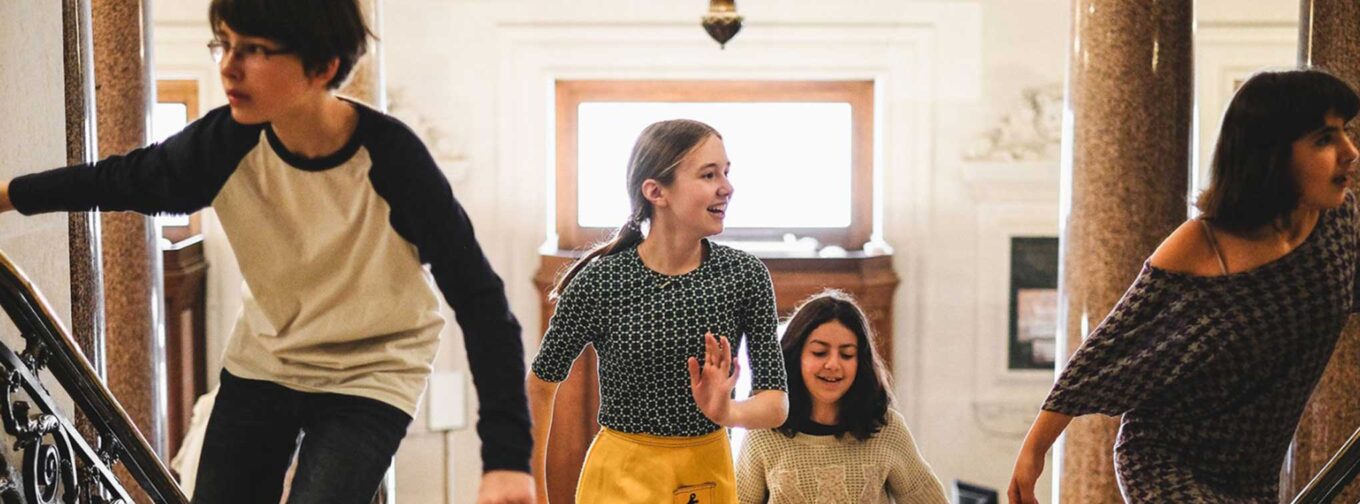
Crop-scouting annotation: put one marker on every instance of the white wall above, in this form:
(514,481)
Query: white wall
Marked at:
(32,138)
(474,78)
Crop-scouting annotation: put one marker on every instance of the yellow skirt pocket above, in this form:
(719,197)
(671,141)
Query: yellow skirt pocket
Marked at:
(641,468)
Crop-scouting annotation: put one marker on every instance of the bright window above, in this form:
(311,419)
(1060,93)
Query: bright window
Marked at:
(801,154)
(168,119)
(804,146)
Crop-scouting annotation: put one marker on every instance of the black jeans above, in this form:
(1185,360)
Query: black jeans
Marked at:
(347,445)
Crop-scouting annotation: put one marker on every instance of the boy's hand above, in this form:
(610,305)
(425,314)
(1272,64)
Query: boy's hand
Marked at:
(5,204)
(506,487)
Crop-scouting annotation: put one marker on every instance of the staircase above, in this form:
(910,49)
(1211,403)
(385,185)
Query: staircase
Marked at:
(43,458)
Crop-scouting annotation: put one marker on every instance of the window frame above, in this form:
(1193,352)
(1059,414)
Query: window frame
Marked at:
(859,94)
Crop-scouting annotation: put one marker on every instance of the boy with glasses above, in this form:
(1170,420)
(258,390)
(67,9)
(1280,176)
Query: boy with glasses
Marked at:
(332,209)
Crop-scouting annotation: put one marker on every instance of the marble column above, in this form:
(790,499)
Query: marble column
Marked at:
(1329,38)
(1124,184)
(87,283)
(87,292)
(131,259)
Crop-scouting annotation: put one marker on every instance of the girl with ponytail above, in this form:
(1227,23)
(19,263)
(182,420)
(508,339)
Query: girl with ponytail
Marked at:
(665,311)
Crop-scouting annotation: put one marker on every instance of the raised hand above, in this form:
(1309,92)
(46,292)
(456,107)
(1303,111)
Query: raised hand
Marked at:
(712,383)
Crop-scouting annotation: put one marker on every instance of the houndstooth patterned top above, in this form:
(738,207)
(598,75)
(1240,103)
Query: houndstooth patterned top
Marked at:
(646,325)
(1211,373)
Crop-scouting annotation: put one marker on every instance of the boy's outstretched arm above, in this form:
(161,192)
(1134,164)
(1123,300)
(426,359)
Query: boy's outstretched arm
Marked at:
(180,175)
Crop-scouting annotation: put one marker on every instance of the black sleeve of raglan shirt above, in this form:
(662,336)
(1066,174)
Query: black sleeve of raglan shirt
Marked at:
(425,213)
(180,175)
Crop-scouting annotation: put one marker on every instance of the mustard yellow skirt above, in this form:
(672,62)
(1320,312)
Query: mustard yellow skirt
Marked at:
(642,468)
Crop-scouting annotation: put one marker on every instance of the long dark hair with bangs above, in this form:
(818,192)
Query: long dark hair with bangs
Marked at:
(317,30)
(1252,184)
(863,408)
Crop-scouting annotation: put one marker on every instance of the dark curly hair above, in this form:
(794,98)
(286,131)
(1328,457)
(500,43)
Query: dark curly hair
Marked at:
(863,408)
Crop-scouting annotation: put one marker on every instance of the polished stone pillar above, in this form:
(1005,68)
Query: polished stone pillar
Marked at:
(131,259)
(1329,38)
(87,284)
(1124,184)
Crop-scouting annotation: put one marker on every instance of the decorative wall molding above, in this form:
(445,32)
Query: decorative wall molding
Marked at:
(1005,419)
(1031,131)
(1002,182)
(446,150)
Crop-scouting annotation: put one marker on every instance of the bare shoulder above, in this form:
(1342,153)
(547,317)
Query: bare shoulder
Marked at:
(1187,251)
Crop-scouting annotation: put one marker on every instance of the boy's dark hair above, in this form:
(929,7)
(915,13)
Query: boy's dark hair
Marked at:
(863,408)
(1252,183)
(317,30)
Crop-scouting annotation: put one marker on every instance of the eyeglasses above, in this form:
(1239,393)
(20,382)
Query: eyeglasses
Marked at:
(246,51)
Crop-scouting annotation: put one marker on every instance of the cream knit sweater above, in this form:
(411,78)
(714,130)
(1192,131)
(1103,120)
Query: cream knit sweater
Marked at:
(825,470)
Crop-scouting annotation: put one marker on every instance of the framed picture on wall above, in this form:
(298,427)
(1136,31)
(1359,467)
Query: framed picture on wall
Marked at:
(1033,320)
(1017,266)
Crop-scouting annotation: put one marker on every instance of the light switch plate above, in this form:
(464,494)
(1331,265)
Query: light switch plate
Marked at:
(448,401)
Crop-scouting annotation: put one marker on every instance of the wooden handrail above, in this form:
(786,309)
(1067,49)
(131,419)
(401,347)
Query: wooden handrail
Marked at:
(56,457)
(1334,476)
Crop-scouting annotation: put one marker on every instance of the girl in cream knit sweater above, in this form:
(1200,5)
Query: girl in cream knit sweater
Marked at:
(842,443)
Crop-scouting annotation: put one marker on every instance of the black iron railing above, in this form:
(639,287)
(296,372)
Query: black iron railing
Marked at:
(49,461)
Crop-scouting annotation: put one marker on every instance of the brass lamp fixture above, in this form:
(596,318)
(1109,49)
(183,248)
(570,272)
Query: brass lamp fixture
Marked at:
(722,21)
